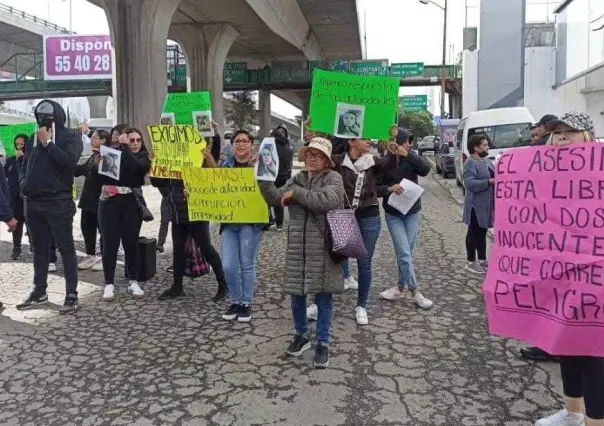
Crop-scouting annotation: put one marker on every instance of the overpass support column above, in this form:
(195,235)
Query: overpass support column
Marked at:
(455,103)
(206,49)
(139,30)
(98,106)
(264,111)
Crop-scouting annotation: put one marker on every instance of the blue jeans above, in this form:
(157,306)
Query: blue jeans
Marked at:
(404,231)
(370,230)
(324,303)
(346,269)
(240,245)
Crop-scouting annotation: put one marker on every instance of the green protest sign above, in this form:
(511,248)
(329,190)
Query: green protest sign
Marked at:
(8,133)
(192,109)
(350,106)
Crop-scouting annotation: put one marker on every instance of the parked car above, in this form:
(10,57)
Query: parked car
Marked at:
(445,161)
(426,144)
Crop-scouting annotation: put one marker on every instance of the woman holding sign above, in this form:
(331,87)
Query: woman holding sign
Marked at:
(241,241)
(182,227)
(582,376)
(120,216)
(309,267)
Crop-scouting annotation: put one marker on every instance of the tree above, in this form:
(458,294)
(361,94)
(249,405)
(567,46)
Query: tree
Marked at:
(241,110)
(419,123)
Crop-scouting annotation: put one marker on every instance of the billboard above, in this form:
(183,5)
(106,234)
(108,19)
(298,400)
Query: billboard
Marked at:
(77,57)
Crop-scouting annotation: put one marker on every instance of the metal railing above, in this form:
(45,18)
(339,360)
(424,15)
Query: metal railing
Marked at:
(33,18)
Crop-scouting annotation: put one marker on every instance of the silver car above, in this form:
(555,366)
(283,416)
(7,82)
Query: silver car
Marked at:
(426,144)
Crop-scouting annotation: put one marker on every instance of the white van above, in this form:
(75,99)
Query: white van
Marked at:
(506,127)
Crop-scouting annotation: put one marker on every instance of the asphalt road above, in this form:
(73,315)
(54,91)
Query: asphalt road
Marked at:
(145,362)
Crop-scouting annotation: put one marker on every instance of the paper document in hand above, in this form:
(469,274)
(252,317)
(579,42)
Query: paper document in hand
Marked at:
(406,200)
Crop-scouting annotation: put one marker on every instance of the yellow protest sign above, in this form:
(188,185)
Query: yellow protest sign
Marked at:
(224,195)
(175,147)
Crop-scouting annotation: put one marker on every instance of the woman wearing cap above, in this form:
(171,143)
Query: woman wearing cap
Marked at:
(309,269)
(582,376)
(404,228)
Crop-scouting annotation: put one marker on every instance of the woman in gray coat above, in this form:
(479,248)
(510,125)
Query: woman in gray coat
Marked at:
(478,175)
(308,267)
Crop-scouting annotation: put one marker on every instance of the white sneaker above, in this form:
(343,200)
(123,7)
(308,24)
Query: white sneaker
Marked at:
(312,312)
(475,268)
(135,289)
(422,301)
(108,294)
(52,267)
(361,315)
(562,418)
(98,266)
(350,283)
(393,293)
(88,262)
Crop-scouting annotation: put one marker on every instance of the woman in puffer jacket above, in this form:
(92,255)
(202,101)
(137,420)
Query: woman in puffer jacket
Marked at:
(309,268)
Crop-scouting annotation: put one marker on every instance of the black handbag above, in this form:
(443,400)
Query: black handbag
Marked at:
(146,214)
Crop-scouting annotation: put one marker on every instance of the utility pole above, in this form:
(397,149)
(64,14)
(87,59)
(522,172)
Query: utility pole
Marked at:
(443,74)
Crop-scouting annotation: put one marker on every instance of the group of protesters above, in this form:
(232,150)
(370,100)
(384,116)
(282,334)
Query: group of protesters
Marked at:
(338,174)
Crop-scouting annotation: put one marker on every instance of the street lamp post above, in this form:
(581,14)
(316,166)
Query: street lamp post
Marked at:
(443,75)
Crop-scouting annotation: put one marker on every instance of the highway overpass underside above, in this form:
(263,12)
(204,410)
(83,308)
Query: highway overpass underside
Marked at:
(255,31)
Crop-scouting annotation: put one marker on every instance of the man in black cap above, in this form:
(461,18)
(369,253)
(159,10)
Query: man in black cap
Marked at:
(46,180)
(540,129)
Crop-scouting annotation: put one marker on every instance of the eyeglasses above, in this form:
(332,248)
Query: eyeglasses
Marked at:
(240,141)
(313,155)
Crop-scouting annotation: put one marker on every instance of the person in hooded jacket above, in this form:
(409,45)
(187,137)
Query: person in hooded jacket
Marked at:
(182,227)
(11,168)
(46,178)
(119,214)
(285,152)
(89,199)
(404,228)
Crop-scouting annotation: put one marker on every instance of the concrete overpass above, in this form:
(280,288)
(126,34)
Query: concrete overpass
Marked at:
(22,32)
(209,31)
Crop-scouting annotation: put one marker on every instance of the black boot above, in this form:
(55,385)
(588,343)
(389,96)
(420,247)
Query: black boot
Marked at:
(536,354)
(221,293)
(172,293)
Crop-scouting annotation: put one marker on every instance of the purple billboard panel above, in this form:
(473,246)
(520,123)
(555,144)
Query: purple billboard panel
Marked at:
(448,131)
(77,57)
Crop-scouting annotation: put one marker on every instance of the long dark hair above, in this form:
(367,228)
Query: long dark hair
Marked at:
(22,136)
(129,130)
(105,136)
(119,128)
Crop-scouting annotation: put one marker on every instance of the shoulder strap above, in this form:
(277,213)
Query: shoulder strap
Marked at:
(358,188)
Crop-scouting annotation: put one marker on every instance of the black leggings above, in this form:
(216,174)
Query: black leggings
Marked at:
(200,231)
(120,218)
(476,240)
(583,377)
(88,225)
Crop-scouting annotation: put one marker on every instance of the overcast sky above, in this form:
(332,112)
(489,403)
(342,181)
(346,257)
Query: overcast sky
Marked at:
(398,30)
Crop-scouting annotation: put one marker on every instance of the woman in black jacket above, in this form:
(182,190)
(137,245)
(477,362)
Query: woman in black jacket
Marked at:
(120,213)
(404,227)
(174,190)
(89,199)
(11,168)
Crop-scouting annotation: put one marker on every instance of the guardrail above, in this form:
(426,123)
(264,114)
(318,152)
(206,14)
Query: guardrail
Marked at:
(33,18)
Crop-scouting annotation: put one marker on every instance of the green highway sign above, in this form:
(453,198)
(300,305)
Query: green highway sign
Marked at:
(414,103)
(414,69)
(368,68)
(235,72)
(340,66)
(289,72)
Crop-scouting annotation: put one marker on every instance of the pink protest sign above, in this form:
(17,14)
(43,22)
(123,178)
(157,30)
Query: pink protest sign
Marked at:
(545,280)
(75,57)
